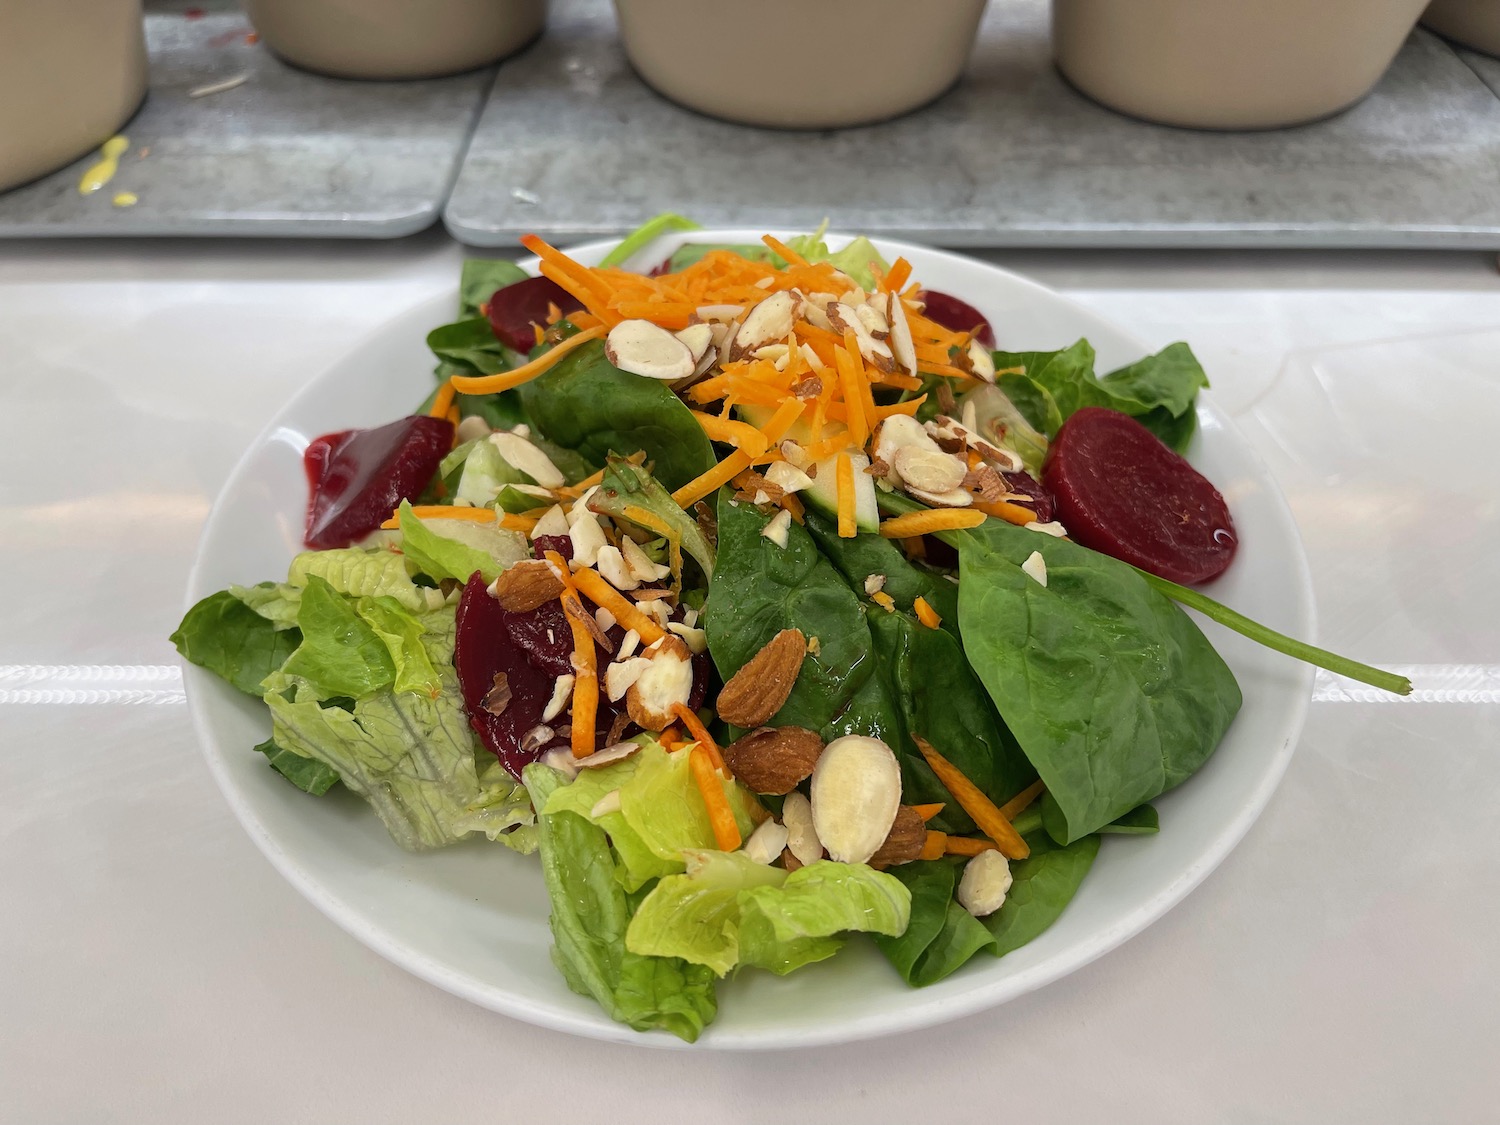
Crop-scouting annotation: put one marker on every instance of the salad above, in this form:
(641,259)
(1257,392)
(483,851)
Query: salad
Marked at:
(763,599)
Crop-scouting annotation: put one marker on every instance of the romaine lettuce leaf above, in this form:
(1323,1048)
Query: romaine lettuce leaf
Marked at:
(277,602)
(457,548)
(661,814)
(410,754)
(306,774)
(401,633)
(727,910)
(590,915)
(340,654)
(358,572)
(485,473)
(230,639)
(502,811)
(643,236)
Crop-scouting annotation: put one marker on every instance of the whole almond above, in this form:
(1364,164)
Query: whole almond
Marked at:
(904,843)
(526,586)
(774,759)
(756,692)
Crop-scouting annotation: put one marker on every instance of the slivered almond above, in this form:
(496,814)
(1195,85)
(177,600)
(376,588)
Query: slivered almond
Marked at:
(526,586)
(808,388)
(698,338)
(573,607)
(774,759)
(902,346)
(757,691)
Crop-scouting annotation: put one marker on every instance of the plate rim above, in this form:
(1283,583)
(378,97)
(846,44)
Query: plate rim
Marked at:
(199,684)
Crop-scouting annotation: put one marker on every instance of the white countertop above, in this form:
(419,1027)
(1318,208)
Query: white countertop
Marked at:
(1342,965)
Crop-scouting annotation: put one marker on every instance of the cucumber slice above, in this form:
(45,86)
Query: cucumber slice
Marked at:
(824,493)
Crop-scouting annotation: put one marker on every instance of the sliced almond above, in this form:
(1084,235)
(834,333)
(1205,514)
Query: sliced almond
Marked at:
(954,498)
(640,563)
(696,639)
(616,752)
(521,454)
(768,321)
(609,803)
(472,428)
(613,568)
(813,360)
(643,348)
(1035,568)
(721,313)
(874,320)
(874,584)
(588,539)
(981,362)
(856,792)
(756,692)
(561,759)
(667,679)
(779,528)
(774,759)
(553,522)
(497,699)
(802,838)
(787,477)
(928,469)
(698,338)
(902,345)
(900,432)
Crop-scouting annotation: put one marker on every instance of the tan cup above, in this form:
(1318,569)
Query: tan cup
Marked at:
(1469,23)
(800,64)
(1229,64)
(395,38)
(70,75)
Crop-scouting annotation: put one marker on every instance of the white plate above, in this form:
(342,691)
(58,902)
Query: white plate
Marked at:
(472,919)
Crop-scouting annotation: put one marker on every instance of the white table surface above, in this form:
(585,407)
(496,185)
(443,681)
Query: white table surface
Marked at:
(1342,965)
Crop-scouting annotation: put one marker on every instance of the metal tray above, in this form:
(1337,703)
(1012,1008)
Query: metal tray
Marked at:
(572,143)
(286,153)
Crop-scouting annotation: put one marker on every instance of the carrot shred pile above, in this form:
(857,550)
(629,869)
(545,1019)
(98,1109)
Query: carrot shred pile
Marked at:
(986,814)
(815,375)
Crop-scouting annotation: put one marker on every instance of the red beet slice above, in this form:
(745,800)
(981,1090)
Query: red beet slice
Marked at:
(358,477)
(958,316)
(1038,499)
(1120,491)
(516,307)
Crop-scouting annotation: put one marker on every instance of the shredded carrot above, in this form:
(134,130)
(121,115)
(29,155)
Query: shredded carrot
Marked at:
(519,523)
(505,380)
(925,523)
(721,474)
(969,797)
(443,401)
(720,815)
(778,247)
(585,704)
(588,482)
(1021,801)
(454,418)
(601,593)
(741,435)
(1005,510)
(926,614)
(964,845)
(845,482)
(785,417)
(700,733)
(897,277)
(927,812)
(884,601)
(671,739)
(442,512)
(538,333)
(849,381)
(909,408)
(934,845)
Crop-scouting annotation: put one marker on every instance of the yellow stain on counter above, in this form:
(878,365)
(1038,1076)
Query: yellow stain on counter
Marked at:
(104,171)
(126,199)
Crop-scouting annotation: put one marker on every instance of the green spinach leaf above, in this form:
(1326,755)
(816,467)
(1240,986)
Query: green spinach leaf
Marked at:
(588,404)
(479,280)
(230,639)
(941,935)
(864,555)
(759,589)
(1042,886)
(1141,821)
(1113,692)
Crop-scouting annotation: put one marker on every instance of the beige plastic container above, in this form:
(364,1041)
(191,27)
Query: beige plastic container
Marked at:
(800,64)
(1470,23)
(70,75)
(1229,64)
(395,38)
